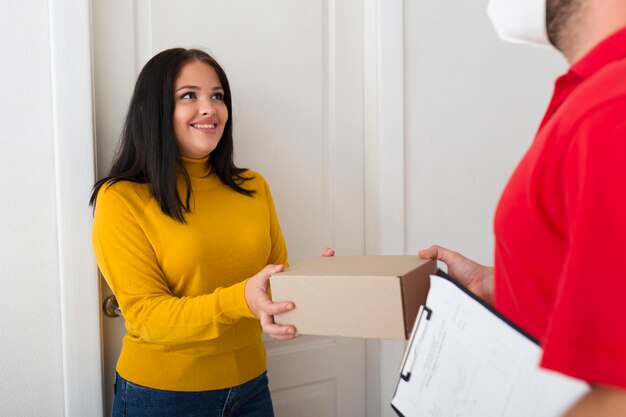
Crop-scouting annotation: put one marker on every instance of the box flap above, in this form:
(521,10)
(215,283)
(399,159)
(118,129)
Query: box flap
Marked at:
(415,286)
(357,265)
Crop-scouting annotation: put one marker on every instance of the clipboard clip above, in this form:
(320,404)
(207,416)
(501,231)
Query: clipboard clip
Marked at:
(424,313)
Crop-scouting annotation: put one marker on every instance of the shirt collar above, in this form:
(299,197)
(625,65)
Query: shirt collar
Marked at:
(609,50)
(196,168)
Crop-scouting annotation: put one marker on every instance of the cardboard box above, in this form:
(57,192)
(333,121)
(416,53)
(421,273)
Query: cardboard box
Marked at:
(355,296)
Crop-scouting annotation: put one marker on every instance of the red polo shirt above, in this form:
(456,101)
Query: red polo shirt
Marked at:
(560,226)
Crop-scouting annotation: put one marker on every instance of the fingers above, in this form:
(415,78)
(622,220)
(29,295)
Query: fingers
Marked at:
(277,331)
(262,306)
(270,270)
(328,252)
(256,292)
(430,253)
(271,308)
(267,312)
(280,332)
(261,280)
(439,253)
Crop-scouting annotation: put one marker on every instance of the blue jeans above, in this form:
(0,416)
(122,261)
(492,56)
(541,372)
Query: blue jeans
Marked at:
(251,399)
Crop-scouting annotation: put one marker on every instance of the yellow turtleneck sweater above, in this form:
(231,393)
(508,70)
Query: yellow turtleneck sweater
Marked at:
(181,286)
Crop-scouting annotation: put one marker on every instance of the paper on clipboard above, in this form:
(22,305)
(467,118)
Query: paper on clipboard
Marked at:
(465,360)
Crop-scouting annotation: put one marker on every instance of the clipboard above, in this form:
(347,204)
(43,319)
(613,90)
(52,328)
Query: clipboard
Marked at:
(464,358)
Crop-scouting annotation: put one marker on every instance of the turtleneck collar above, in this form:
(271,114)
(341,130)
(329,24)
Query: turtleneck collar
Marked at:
(196,168)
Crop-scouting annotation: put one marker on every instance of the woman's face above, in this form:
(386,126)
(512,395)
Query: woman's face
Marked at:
(200,113)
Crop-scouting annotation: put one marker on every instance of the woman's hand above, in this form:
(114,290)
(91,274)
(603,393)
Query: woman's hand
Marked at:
(476,277)
(264,308)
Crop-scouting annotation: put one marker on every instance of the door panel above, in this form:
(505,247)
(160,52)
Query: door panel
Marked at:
(316,399)
(296,73)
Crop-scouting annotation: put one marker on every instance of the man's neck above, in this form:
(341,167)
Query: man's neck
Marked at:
(596,20)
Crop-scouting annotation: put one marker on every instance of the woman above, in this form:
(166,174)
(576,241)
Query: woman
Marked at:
(180,234)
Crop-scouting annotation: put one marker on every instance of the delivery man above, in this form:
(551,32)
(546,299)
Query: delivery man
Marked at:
(560,225)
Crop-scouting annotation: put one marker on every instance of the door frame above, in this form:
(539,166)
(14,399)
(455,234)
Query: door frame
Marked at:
(384,173)
(74,133)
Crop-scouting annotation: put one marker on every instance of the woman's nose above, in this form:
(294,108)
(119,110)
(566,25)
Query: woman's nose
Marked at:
(207,108)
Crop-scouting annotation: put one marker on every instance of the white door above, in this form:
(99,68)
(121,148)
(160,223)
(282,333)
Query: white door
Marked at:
(296,72)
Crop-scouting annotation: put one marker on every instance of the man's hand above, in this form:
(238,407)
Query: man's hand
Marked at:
(601,401)
(476,277)
(262,306)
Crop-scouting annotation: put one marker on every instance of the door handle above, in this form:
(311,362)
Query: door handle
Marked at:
(110,307)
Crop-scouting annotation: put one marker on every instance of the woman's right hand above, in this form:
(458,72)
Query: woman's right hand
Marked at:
(264,308)
(478,278)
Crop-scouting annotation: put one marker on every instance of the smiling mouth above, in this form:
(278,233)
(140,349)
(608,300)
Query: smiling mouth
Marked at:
(205,126)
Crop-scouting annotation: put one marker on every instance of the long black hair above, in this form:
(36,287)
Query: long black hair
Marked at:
(147,152)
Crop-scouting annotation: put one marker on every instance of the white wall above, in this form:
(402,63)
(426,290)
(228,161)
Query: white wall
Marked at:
(30,319)
(472,105)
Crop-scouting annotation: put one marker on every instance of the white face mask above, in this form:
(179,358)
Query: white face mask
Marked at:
(519,21)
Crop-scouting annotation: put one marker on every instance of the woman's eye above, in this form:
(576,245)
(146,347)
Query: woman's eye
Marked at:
(188,95)
(218,96)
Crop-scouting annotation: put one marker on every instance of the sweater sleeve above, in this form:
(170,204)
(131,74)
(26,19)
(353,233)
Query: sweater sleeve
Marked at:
(130,266)
(278,255)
